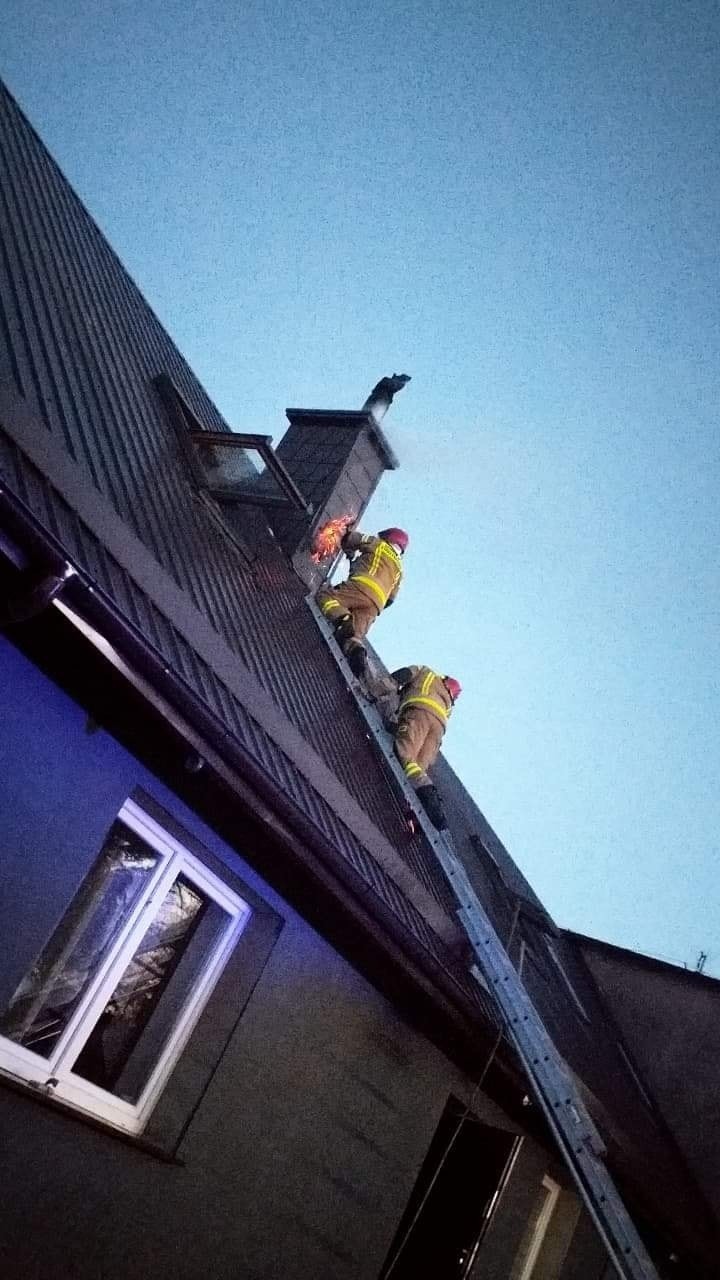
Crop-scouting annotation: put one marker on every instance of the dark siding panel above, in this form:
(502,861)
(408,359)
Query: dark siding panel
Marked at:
(30,357)
(57,318)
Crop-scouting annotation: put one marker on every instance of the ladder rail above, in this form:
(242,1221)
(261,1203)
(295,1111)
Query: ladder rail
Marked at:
(569,1121)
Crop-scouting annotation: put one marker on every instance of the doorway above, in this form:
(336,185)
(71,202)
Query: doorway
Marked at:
(452,1200)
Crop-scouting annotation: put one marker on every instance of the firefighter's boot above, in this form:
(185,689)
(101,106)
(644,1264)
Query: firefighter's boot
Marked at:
(344,630)
(357,658)
(433,806)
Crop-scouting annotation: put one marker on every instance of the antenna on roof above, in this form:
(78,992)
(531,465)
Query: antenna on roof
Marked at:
(700,962)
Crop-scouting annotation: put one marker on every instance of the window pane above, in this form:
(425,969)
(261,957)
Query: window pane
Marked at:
(230,466)
(148,1000)
(239,471)
(48,995)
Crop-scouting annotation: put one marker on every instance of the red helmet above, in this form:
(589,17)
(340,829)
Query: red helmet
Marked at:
(453,687)
(397,536)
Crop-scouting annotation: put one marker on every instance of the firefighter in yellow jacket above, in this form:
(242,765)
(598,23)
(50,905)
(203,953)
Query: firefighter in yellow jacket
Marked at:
(374,581)
(426,703)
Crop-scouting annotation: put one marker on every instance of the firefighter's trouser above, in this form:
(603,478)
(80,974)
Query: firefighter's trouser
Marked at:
(348,601)
(417,742)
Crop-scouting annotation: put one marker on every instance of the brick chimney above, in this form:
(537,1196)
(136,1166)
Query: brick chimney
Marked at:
(336,457)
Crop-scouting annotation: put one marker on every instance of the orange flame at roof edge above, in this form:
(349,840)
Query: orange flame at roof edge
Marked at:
(328,538)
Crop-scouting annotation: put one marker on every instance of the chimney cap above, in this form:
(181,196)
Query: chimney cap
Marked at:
(347,418)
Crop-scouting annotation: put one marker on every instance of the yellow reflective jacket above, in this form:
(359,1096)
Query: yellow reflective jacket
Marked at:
(422,687)
(377,570)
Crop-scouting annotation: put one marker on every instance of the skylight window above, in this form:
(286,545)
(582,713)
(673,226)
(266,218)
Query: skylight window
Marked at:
(232,466)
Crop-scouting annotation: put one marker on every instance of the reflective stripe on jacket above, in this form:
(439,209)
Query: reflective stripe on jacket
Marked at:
(377,570)
(425,688)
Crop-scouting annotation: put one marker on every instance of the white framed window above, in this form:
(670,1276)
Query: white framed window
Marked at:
(106,1009)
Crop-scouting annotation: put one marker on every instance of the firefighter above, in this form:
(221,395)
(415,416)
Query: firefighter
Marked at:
(426,703)
(374,581)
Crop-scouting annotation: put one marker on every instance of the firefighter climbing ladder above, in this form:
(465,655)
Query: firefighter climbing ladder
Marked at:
(570,1123)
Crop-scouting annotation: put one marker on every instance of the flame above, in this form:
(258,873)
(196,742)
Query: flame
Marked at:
(328,538)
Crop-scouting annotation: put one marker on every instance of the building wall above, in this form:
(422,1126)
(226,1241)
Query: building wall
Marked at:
(299,1151)
(671,1023)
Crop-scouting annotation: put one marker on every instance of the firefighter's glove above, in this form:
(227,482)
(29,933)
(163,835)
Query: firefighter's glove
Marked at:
(401,677)
(350,553)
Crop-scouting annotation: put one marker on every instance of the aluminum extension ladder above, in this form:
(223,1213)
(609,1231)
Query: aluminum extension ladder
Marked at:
(569,1121)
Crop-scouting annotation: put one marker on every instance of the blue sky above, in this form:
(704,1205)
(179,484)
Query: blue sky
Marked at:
(519,205)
